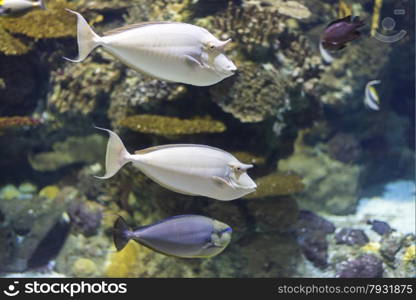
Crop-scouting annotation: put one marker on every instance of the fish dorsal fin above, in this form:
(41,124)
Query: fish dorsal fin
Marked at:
(137,25)
(346,19)
(156,148)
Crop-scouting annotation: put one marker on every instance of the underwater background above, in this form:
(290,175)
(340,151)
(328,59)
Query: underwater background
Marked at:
(336,180)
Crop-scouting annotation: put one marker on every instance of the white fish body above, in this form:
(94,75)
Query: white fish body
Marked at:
(169,51)
(185,168)
(9,7)
(371,98)
(326,56)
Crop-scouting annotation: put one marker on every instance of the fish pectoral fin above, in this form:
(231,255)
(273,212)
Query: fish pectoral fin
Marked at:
(222,182)
(193,62)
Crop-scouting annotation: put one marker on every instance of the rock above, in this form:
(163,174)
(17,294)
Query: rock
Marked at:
(351,237)
(311,233)
(278,214)
(364,266)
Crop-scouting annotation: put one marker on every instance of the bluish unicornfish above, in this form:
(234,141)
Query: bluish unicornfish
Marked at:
(186,236)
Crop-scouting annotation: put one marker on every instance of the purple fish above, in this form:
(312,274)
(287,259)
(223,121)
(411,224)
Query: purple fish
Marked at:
(339,32)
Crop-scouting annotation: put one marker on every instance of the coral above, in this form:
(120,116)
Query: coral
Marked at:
(27,188)
(125,263)
(344,147)
(84,267)
(53,22)
(376,16)
(345,90)
(279,214)
(277,184)
(85,216)
(140,90)
(10,45)
(79,87)
(17,121)
(72,150)
(49,191)
(330,185)
(351,237)
(168,126)
(249,158)
(364,266)
(311,232)
(160,10)
(410,254)
(253,94)
(372,247)
(291,9)
(249,27)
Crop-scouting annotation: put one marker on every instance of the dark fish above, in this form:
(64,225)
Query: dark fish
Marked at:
(185,236)
(339,32)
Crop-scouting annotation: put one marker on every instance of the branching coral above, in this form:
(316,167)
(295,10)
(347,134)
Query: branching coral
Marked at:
(276,184)
(167,126)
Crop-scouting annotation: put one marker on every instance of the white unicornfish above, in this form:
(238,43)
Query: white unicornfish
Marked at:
(184,168)
(371,98)
(11,7)
(170,51)
(187,236)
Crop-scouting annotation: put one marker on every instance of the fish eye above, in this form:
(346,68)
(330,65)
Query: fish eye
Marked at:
(211,46)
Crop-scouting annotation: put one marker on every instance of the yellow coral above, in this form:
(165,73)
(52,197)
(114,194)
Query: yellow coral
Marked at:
(277,184)
(125,263)
(249,158)
(51,23)
(10,45)
(376,16)
(344,9)
(410,254)
(84,267)
(50,191)
(371,247)
(168,126)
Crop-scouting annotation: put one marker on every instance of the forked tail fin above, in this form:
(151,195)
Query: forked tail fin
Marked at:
(88,40)
(116,156)
(121,233)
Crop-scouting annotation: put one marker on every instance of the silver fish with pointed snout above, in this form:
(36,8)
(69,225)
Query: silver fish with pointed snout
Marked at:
(170,51)
(186,236)
(184,168)
(16,7)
